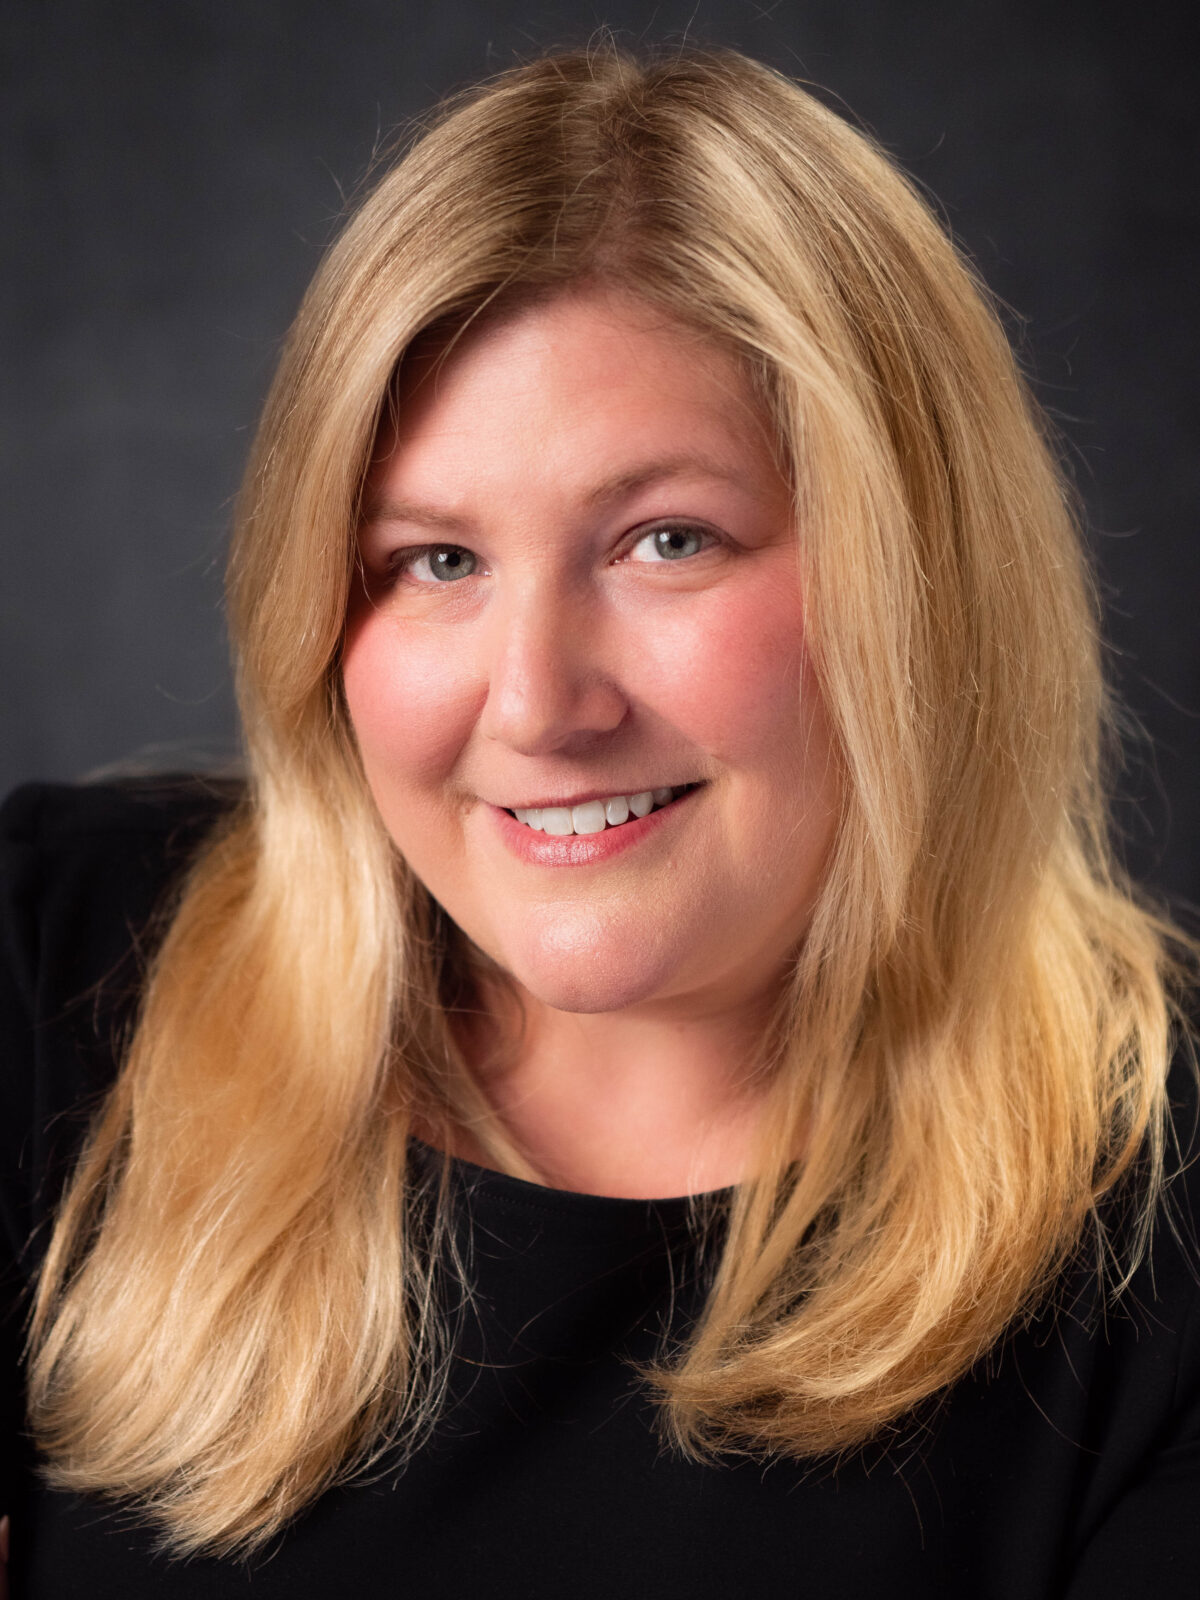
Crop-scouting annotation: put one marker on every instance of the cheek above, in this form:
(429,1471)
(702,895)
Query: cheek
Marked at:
(409,706)
(731,673)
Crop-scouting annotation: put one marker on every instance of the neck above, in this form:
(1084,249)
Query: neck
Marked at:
(644,1103)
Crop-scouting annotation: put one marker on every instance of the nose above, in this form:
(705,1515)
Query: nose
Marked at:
(552,687)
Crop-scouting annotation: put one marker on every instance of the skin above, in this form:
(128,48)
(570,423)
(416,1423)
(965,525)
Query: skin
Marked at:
(575,659)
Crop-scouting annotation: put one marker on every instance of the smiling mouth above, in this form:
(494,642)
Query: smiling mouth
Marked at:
(597,816)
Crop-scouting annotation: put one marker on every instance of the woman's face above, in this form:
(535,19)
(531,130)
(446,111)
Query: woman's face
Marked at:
(582,595)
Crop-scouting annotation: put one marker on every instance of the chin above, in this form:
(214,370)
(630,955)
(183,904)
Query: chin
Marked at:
(574,992)
(583,968)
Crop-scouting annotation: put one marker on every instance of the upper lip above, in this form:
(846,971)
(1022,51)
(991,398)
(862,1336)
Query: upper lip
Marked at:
(583,796)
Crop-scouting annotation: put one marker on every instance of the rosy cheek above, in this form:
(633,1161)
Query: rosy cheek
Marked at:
(731,673)
(409,699)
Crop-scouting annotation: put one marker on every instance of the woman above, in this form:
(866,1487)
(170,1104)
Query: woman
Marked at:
(657,1065)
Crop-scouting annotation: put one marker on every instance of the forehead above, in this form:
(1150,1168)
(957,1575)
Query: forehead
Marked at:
(579,387)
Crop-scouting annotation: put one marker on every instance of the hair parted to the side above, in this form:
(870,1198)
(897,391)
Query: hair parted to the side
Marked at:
(237,1304)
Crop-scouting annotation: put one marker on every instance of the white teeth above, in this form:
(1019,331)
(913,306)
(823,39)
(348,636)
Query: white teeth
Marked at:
(589,817)
(593,816)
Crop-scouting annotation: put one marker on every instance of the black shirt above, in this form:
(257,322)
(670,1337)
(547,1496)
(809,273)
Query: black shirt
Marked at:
(1068,1464)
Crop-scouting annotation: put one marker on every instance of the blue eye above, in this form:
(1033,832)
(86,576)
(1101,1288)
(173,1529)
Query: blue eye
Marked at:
(669,544)
(443,562)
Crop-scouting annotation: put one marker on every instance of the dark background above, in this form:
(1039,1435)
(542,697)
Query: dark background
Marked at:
(171,171)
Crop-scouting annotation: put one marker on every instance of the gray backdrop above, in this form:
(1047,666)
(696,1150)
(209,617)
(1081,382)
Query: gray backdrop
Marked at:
(172,168)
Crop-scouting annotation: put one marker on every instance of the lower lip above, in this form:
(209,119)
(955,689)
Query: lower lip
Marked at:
(583,849)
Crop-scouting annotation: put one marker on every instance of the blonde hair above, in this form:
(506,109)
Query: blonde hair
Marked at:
(237,1308)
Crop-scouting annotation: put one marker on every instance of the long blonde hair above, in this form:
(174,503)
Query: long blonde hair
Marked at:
(236,1308)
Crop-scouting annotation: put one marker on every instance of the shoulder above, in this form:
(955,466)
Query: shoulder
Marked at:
(82,868)
(1141,1341)
(54,815)
(1165,1289)
(1127,1390)
(85,871)
(1157,1304)
(53,833)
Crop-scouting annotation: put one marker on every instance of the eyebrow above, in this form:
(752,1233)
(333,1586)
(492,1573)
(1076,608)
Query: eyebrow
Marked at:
(618,487)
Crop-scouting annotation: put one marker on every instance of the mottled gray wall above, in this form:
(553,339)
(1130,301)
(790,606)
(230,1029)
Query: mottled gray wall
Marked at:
(171,171)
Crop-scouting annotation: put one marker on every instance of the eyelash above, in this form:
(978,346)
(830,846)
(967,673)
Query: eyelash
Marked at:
(401,562)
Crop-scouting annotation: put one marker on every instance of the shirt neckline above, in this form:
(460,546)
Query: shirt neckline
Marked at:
(485,1183)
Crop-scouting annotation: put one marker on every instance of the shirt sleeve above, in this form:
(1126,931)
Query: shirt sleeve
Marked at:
(1148,1540)
(82,871)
